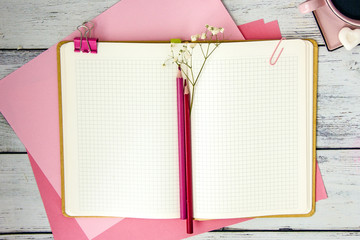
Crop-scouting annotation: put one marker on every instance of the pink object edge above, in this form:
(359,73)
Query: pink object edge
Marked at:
(85,44)
(28,96)
(181,145)
(258,30)
(129,228)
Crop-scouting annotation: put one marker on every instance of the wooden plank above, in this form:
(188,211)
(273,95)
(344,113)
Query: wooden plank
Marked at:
(341,175)
(9,62)
(292,23)
(54,20)
(277,236)
(228,236)
(12,60)
(21,208)
(9,142)
(43,23)
(338,98)
(48,236)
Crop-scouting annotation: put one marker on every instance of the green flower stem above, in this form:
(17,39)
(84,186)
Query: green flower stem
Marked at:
(202,51)
(192,98)
(207,50)
(197,78)
(188,64)
(191,71)
(187,77)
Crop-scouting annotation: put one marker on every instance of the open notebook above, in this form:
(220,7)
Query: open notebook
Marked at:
(253,131)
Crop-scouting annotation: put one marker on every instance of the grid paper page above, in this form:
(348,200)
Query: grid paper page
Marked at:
(245,135)
(126,138)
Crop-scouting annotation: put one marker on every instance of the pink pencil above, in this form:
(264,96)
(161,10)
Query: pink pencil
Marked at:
(181,142)
(189,197)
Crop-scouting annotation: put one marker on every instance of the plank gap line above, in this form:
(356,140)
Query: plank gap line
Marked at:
(287,230)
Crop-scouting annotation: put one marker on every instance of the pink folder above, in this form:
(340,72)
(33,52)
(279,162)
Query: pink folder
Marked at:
(28,100)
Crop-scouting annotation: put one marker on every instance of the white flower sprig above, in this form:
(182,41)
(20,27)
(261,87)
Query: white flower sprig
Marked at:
(182,55)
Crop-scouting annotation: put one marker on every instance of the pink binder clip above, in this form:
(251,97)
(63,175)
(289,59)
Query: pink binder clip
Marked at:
(85,43)
(272,56)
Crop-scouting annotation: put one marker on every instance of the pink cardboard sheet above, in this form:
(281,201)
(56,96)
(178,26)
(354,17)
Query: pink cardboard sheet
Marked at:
(28,96)
(258,30)
(29,102)
(29,99)
(129,228)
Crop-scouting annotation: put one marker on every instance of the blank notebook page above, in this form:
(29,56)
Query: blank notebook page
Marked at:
(120,132)
(250,131)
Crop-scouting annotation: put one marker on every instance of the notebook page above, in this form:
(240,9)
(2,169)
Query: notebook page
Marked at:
(120,132)
(250,132)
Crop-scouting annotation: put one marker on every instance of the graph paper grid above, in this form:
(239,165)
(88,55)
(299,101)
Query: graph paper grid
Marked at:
(245,143)
(127,138)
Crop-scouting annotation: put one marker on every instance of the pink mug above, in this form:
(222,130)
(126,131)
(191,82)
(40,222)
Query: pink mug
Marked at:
(348,11)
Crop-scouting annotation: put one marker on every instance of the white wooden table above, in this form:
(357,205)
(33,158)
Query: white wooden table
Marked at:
(28,28)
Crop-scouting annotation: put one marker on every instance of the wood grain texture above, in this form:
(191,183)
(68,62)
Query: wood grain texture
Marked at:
(338,99)
(21,207)
(42,23)
(229,236)
(277,236)
(341,175)
(10,60)
(48,236)
(9,142)
(292,23)
(338,116)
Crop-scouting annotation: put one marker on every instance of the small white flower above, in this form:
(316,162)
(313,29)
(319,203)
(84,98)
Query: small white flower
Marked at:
(194,37)
(208,27)
(192,45)
(203,36)
(215,31)
(221,30)
(172,45)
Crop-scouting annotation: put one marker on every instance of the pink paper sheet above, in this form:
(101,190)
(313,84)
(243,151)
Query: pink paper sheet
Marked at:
(28,97)
(28,100)
(258,30)
(129,228)
(68,228)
